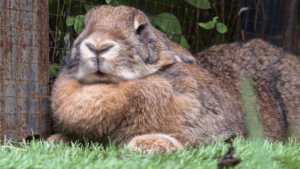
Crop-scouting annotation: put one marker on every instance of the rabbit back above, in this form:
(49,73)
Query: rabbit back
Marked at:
(275,75)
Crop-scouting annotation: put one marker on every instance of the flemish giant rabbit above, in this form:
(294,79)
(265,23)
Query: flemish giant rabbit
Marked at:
(126,80)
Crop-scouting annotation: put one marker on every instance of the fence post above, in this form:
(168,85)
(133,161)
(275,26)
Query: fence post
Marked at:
(24,104)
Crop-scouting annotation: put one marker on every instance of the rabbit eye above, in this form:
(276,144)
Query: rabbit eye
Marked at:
(140,29)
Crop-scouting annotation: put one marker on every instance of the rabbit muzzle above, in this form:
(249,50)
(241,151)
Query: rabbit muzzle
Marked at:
(98,51)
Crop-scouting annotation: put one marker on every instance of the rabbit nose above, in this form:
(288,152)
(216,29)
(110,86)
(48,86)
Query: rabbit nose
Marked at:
(99,50)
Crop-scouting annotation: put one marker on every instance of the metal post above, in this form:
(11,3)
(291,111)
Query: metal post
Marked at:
(24,104)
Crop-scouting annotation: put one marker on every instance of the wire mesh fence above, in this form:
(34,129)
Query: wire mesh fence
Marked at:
(195,24)
(24,107)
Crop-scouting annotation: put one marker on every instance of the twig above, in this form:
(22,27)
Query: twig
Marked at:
(10,147)
(256,14)
(243,36)
(265,20)
(228,160)
(50,31)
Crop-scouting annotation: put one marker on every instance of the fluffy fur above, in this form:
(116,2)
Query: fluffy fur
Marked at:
(276,76)
(159,142)
(106,52)
(180,101)
(183,101)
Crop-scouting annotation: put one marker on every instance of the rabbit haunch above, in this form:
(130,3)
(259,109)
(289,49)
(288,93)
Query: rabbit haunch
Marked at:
(110,52)
(181,103)
(276,77)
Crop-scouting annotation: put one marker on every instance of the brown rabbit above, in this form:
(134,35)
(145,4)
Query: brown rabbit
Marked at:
(126,80)
(276,76)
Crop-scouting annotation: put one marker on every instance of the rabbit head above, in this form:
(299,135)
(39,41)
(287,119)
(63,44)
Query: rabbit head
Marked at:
(119,44)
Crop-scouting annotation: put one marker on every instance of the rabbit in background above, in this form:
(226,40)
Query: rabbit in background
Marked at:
(126,80)
(276,77)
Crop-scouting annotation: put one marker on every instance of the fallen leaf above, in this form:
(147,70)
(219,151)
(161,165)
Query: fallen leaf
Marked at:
(228,160)
(231,138)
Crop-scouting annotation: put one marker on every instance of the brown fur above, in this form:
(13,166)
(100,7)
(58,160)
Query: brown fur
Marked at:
(276,76)
(133,47)
(159,142)
(59,137)
(184,102)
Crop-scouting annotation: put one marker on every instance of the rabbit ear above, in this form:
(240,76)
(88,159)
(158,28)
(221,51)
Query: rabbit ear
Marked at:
(168,51)
(181,54)
(163,56)
(139,19)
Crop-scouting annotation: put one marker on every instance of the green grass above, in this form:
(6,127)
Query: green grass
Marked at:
(255,154)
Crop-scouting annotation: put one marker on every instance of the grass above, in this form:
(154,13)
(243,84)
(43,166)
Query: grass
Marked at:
(254,153)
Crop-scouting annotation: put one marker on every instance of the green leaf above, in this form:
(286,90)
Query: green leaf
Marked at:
(70,21)
(108,1)
(158,5)
(119,2)
(208,25)
(88,7)
(167,23)
(184,42)
(201,4)
(123,2)
(76,8)
(66,2)
(53,69)
(215,19)
(78,24)
(62,10)
(67,41)
(52,7)
(115,3)
(221,27)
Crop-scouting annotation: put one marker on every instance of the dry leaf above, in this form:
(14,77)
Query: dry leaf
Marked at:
(228,160)
(231,138)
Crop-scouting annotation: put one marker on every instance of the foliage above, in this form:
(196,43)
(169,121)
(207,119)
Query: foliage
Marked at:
(179,24)
(169,24)
(53,69)
(201,4)
(254,153)
(221,27)
(77,21)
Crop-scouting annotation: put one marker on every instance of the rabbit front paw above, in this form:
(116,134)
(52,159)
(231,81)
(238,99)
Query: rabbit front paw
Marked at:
(56,138)
(159,143)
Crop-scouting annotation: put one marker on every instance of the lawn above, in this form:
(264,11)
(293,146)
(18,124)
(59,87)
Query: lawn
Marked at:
(254,154)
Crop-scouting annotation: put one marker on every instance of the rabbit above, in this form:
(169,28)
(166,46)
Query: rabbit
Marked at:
(125,80)
(276,77)
(130,50)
